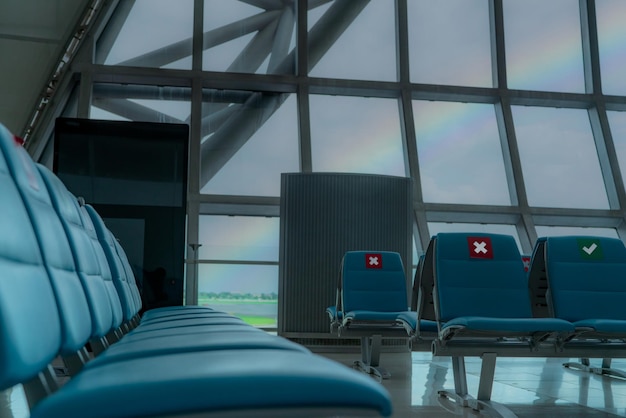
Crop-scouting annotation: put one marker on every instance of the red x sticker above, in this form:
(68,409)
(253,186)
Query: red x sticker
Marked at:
(526,261)
(373,261)
(480,247)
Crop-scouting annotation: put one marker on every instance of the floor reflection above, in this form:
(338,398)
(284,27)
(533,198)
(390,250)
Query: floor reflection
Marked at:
(530,387)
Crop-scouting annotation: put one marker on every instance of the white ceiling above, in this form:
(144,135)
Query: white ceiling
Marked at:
(33,36)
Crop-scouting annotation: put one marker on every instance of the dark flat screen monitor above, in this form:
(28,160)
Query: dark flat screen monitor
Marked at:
(135,175)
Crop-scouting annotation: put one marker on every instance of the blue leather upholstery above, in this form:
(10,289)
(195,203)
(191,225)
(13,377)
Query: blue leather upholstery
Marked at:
(587,283)
(27,301)
(587,277)
(481,285)
(373,281)
(46,291)
(482,304)
(129,309)
(85,256)
(105,270)
(216,381)
(130,275)
(372,302)
(57,254)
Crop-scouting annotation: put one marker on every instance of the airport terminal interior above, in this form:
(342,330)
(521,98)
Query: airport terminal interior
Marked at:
(238,149)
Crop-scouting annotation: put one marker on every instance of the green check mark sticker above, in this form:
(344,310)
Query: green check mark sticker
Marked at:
(590,249)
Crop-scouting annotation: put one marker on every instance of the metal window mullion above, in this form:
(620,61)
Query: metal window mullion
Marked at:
(498,51)
(510,152)
(590,47)
(197,45)
(607,157)
(402,42)
(195,137)
(421,235)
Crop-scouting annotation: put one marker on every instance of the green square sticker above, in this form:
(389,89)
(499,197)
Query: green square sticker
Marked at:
(590,249)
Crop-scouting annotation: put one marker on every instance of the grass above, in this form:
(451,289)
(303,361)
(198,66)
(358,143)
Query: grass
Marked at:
(258,321)
(208,301)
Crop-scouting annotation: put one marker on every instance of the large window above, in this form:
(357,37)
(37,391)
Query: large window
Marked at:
(508,119)
(460,155)
(449,42)
(559,158)
(356,135)
(248,140)
(238,267)
(543,45)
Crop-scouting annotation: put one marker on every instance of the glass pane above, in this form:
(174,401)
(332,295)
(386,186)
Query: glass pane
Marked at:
(559,158)
(249,139)
(239,37)
(356,135)
(101,114)
(617,121)
(554,231)
(241,238)
(247,291)
(141,103)
(543,45)
(611,15)
(366,50)
(156,33)
(449,42)
(437,227)
(460,154)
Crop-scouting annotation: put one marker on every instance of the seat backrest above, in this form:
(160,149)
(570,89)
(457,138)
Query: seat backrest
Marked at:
(30,330)
(479,274)
(537,280)
(57,254)
(373,281)
(130,275)
(415,293)
(586,277)
(87,264)
(117,270)
(425,283)
(105,270)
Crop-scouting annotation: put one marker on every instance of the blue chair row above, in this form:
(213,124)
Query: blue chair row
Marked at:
(65,285)
(483,305)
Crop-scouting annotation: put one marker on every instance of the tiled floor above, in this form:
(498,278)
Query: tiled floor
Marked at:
(531,388)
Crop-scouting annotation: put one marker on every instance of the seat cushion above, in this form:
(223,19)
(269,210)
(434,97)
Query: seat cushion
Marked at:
(214,381)
(513,325)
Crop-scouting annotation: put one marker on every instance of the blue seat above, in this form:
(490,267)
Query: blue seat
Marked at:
(481,287)
(130,276)
(482,306)
(42,315)
(57,256)
(586,278)
(81,224)
(30,332)
(218,381)
(129,306)
(102,298)
(372,303)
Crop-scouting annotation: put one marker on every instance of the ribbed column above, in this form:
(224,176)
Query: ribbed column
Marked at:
(323,215)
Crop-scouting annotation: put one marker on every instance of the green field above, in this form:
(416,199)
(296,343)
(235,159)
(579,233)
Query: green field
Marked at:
(250,317)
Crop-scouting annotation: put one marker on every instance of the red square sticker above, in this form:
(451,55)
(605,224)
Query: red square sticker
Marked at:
(373,261)
(480,247)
